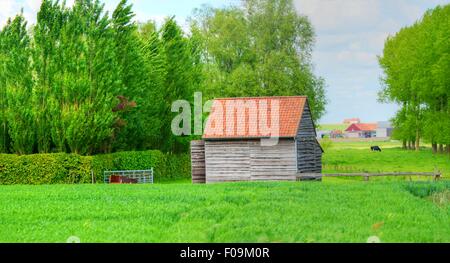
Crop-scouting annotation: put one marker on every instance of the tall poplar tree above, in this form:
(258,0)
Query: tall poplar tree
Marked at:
(139,124)
(19,85)
(179,82)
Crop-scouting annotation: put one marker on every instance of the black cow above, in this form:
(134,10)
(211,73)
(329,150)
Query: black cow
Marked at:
(375,148)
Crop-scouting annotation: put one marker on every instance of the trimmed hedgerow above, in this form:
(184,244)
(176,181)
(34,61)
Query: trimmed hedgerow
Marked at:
(44,169)
(62,168)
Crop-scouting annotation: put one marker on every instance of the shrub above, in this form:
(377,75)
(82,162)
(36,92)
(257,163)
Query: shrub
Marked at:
(62,168)
(178,166)
(44,169)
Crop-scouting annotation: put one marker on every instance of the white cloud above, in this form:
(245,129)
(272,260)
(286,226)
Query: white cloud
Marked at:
(357,57)
(349,36)
(7,8)
(33,5)
(329,15)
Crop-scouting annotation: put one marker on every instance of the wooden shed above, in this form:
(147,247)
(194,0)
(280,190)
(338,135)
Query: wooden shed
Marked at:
(233,147)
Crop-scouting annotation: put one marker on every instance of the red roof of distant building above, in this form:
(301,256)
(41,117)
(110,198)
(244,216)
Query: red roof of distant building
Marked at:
(361,127)
(290,110)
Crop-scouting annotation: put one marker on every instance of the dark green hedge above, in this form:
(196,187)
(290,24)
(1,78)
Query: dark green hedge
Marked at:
(64,168)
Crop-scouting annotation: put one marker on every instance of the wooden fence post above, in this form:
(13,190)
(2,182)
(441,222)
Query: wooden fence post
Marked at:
(437,175)
(366,177)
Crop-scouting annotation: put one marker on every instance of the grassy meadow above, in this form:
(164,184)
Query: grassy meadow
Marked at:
(344,156)
(332,127)
(232,212)
(334,210)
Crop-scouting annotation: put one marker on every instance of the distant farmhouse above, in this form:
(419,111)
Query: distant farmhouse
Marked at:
(384,129)
(353,128)
(361,130)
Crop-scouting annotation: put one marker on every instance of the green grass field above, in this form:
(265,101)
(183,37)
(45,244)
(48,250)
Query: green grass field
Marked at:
(240,212)
(332,127)
(357,157)
(335,210)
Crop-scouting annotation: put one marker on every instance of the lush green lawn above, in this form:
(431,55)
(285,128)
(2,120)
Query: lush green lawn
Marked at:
(332,127)
(240,212)
(335,210)
(357,157)
(364,144)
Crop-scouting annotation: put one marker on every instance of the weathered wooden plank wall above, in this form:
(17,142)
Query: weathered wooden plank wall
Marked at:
(244,160)
(306,128)
(309,153)
(227,161)
(318,152)
(275,162)
(198,162)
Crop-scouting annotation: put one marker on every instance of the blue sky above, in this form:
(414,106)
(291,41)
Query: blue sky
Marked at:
(349,36)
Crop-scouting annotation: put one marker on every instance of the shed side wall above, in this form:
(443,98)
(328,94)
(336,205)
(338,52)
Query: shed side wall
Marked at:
(227,161)
(245,160)
(309,153)
(275,162)
(198,162)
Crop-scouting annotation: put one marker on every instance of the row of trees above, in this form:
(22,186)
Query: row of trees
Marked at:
(416,65)
(84,81)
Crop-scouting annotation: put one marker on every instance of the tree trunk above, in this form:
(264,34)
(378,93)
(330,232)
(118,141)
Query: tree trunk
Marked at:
(417,140)
(441,148)
(404,145)
(434,146)
(409,145)
(448,148)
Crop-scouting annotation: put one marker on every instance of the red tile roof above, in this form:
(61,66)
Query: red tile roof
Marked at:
(250,115)
(362,127)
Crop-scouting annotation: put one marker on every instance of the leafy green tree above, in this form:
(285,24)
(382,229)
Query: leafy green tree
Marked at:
(139,125)
(180,80)
(16,73)
(45,47)
(416,68)
(89,117)
(262,48)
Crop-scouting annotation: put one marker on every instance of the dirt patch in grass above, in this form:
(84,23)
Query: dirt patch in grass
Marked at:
(441,199)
